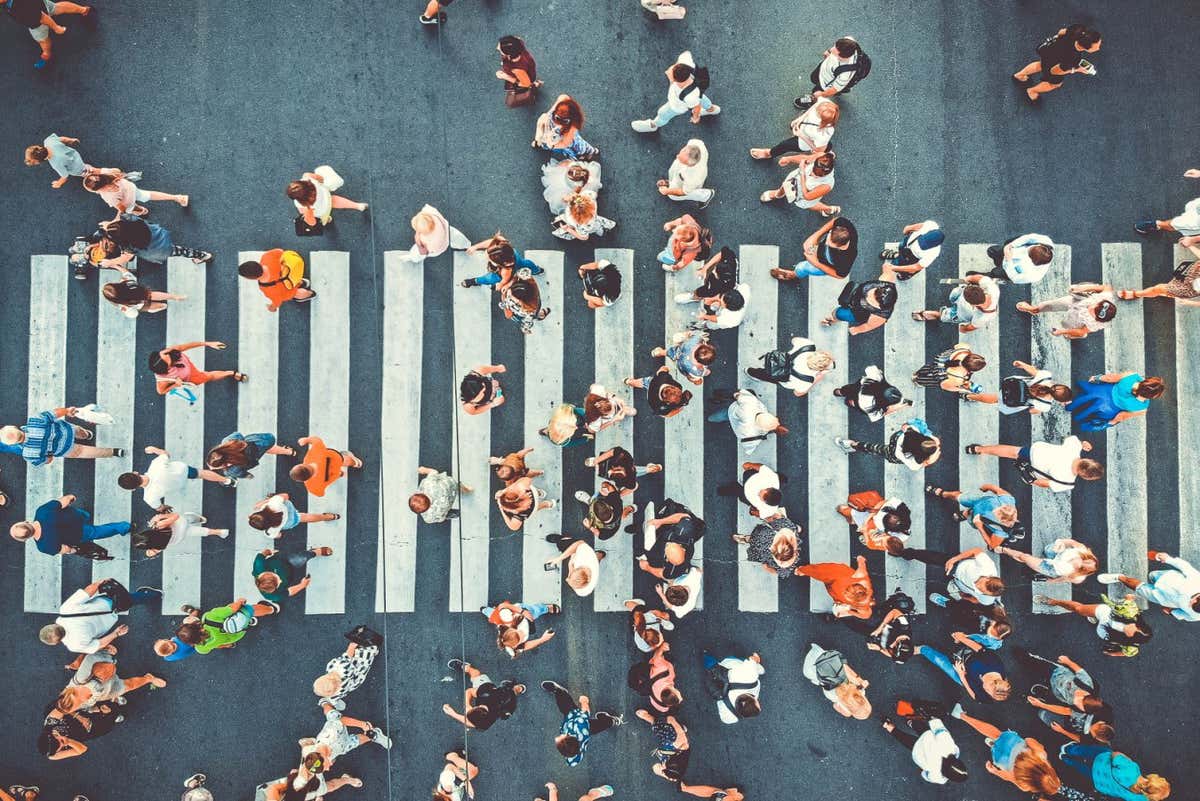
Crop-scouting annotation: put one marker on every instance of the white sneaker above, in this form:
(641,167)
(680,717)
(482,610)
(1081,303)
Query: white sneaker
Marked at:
(379,738)
(1108,578)
(686,297)
(222,532)
(603,791)
(711,111)
(643,126)
(957,711)
(583,497)
(844,444)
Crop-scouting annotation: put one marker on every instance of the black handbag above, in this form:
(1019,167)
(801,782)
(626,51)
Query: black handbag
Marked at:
(304,229)
(93,551)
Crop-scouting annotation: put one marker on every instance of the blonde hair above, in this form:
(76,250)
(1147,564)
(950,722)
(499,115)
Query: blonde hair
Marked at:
(325,686)
(579,577)
(51,634)
(267,582)
(423,223)
(819,360)
(1153,786)
(829,113)
(10,435)
(581,207)
(854,700)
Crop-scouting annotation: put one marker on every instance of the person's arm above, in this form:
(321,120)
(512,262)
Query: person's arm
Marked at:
(66,501)
(963,639)
(954,560)
(657,572)
(1028,368)
(1180,564)
(107,639)
(70,748)
(567,554)
(546,637)
(873,322)
(300,586)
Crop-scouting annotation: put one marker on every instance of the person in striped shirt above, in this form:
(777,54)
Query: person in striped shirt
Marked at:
(48,434)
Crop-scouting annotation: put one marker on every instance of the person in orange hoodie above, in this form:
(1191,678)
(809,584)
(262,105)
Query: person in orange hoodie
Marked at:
(280,276)
(850,588)
(322,466)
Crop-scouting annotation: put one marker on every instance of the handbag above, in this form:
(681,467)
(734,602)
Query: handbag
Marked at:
(93,551)
(333,182)
(1029,474)
(521,96)
(304,229)
(92,413)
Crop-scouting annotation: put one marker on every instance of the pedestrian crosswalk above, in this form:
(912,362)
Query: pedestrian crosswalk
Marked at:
(409,360)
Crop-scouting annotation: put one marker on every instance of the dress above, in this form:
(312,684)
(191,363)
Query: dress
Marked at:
(351,669)
(1184,288)
(557,187)
(1097,403)
(760,545)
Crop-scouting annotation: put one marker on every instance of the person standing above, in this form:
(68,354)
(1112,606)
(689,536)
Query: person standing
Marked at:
(976,668)
(1089,308)
(224,626)
(759,490)
(839,683)
(873,395)
(805,186)
(933,748)
(1063,560)
(992,512)
(1186,224)
(38,17)
(59,152)
(687,241)
(480,390)
(952,370)
(1176,589)
(692,352)
(59,527)
(1059,56)
(276,514)
(877,520)
(842,66)
(239,453)
(666,396)
(1035,392)
(518,70)
(686,89)
(739,683)
(811,133)
(579,724)
(830,250)
(687,174)
(280,277)
(88,620)
(775,544)
(169,527)
(347,671)
(972,574)
(504,262)
(583,562)
(48,435)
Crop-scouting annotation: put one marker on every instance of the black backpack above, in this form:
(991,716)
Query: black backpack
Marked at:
(1014,392)
(861,69)
(603,283)
(702,78)
(779,363)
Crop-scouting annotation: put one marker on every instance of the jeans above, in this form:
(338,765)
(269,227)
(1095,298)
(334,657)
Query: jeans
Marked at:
(1080,756)
(104,530)
(805,270)
(941,661)
(666,113)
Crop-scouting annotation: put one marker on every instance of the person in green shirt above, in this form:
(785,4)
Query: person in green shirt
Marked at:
(223,626)
(279,576)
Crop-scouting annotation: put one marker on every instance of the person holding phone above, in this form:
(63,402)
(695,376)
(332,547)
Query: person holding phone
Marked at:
(1059,56)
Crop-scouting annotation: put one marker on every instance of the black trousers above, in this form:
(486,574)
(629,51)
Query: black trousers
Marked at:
(597,722)
(789,145)
(929,557)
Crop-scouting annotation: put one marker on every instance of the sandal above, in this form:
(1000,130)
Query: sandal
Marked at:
(1127,294)
(760,150)
(832,211)
(288,450)
(331,516)
(324,550)
(935,491)
(768,196)
(972,449)
(241,378)
(918,316)
(84,435)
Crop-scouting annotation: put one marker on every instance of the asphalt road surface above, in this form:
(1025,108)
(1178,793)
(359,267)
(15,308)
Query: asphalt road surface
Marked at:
(228,102)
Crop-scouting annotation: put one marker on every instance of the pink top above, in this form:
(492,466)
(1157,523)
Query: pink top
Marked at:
(182,368)
(436,241)
(122,193)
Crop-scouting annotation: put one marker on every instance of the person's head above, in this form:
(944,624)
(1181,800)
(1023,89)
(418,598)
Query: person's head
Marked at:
(603,511)
(568,113)
(974,362)
(1153,786)
(511,498)
(36,154)
(471,387)
(303,192)
(423,223)
(578,174)
(974,294)
(991,585)
(734,301)
(21,531)
(505,472)
(705,353)
(839,235)
(418,502)
(845,47)
(819,361)
(897,519)
(68,701)
(671,698)
(883,296)
(784,547)
(1041,254)
(567,745)
(501,252)
(11,435)
(191,632)
(652,637)
(265,519)
(131,481)
(122,293)
(999,629)
(267,582)
(327,685)
(676,396)
(689,155)
(150,539)
(1150,388)
(1089,469)
(828,114)
(894,546)
(1104,311)
(157,364)
(954,769)
(1088,40)
(677,595)
(771,496)
(302,472)
(250,269)
(675,553)
(902,649)
(1006,515)
(1102,731)
(104,249)
(165,648)
(508,636)
(314,762)
(681,73)
(511,46)
(746,706)
(1033,774)
(52,634)
(478,716)
(228,454)
(581,207)
(997,686)
(824,163)
(925,448)
(858,594)
(854,700)
(1091,704)
(97,180)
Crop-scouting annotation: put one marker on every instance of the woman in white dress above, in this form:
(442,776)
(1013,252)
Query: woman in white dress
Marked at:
(314,198)
(579,220)
(167,528)
(433,235)
(562,179)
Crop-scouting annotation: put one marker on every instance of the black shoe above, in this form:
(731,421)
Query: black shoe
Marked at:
(467,283)
(456,664)
(995,253)
(553,538)
(361,635)
(551,686)
(118,452)
(804,102)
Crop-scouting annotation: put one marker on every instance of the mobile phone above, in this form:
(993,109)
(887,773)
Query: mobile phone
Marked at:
(550,567)
(1087,66)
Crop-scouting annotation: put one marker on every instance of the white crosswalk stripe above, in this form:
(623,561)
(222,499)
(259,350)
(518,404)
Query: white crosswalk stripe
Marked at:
(330,381)
(1187,398)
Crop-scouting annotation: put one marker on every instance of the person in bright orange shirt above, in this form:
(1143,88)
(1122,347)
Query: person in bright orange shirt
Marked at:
(280,276)
(322,466)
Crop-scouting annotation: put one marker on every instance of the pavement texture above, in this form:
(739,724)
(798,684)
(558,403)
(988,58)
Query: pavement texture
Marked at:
(228,102)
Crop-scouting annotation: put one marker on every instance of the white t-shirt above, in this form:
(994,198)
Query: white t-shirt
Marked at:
(1019,268)
(688,177)
(693,579)
(585,557)
(925,256)
(830,63)
(1188,223)
(276,503)
(1066,560)
(1056,461)
(934,745)
(765,478)
(727,318)
(1081,313)
(688,97)
(167,479)
(800,366)
(968,571)
(739,671)
(808,125)
(744,415)
(83,633)
(974,315)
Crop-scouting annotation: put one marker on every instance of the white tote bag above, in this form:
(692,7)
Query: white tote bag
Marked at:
(333,181)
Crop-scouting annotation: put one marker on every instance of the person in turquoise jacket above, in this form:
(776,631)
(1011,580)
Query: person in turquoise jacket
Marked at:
(1113,774)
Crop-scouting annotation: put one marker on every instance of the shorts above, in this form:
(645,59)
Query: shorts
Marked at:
(1103,615)
(42,32)
(1023,454)
(192,472)
(480,680)
(804,269)
(845,315)
(141,196)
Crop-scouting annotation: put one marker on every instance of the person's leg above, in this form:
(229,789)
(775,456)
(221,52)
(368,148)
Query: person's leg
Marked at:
(90,452)
(195,254)
(487,279)
(537,610)
(1083,610)
(702,195)
(137,682)
(825,572)
(939,660)
(903,736)
(1080,757)
(789,145)
(928,556)
(720,415)
(315,517)
(563,699)
(876,448)
(999,451)
(710,661)
(150,194)
(101,531)
(209,475)
(602,721)
(144,596)
(339,202)
(665,114)
(1026,72)
(982,726)
(263,609)
(352,461)
(527,264)
(731,489)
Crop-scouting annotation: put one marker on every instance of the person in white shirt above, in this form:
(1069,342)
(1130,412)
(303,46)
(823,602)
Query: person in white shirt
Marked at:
(684,94)
(972,574)
(1022,259)
(1044,464)
(87,621)
(833,75)
(811,133)
(806,366)
(1089,308)
(972,304)
(1186,224)
(806,186)
(166,478)
(919,247)
(1176,590)
(726,310)
(682,593)
(583,562)
(751,421)
(740,685)
(933,749)
(760,490)
(687,174)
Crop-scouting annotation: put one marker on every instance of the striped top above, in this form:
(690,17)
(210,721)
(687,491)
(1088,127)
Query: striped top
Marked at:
(46,435)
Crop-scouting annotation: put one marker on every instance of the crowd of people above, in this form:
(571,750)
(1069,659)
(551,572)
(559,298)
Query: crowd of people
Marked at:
(972,647)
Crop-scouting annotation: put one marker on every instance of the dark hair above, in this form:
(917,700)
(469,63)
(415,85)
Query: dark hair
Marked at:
(1090,469)
(772,496)
(670,698)
(45,742)
(677,595)
(746,706)
(1102,731)
(993,585)
(303,192)
(470,386)
(973,362)
(1087,37)
(511,46)
(160,366)
(603,511)
(504,472)
(1062,393)
(478,716)
(265,519)
(502,254)
(898,519)
(681,72)
(151,539)
(124,294)
(1041,254)
(568,746)
(228,454)
(1094,706)
(846,47)
(826,161)
(129,481)
(526,292)
(705,353)
(98,180)
(902,650)
(886,294)
(924,448)
(1105,311)
(36,154)
(1151,388)
(250,269)
(839,234)
(734,300)
(192,633)
(974,294)
(891,395)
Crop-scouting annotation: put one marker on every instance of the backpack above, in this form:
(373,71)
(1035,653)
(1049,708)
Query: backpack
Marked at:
(861,69)
(1014,392)
(830,669)
(779,363)
(700,74)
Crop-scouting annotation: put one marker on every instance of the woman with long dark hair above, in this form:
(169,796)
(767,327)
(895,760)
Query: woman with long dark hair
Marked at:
(559,130)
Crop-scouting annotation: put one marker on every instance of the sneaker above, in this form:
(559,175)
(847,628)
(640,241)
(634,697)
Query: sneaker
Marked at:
(230,482)
(273,605)
(379,738)
(589,462)
(888,254)
(440,18)
(686,297)
(553,503)
(939,599)
(643,126)
(223,533)
(118,453)
(1145,227)
(603,790)
(1152,555)
(149,589)
(1108,578)
(582,497)
(703,204)
(551,686)
(456,664)
(803,102)
(467,283)
(194,781)
(119,719)
(957,711)
(618,720)
(844,444)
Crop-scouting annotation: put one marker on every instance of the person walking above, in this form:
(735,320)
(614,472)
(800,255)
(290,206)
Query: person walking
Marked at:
(1035,392)
(850,588)
(759,489)
(454,782)
(798,368)
(873,395)
(1020,761)
(1176,589)
(1183,288)
(436,496)
(167,528)
(1105,400)
(347,671)
(131,298)
(60,527)
(692,352)
(775,544)
(1063,560)
(167,477)
(238,454)
(1186,224)
(926,736)
(687,174)
(751,420)
(1021,260)
(484,701)
(38,16)
(280,576)
(88,621)
(579,723)
(864,305)
(60,153)
(877,520)
(224,626)
(520,501)
(972,574)
(336,738)
(892,636)
(1068,702)
(314,199)
(830,250)
(1044,464)
(1120,623)
(276,514)
(839,683)
(601,283)
(518,70)
(686,89)
(602,409)
(579,219)
(1113,774)
(516,625)
(566,177)
(912,445)
(992,512)
(739,685)
(322,466)
(1089,308)
(560,131)
(669,537)
(672,751)
(811,133)
(977,669)
(120,193)
(972,304)
(504,263)
(64,735)
(841,68)
(129,237)
(174,370)
(48,435)
(280,277)
(688,240)
(1059,56)
(807,185)
(664,9)
(583,562)
(96,681)
(920,245)
(666,396)
(480,390)
(650,626)
(952,370)
(433,235)
(512,466)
